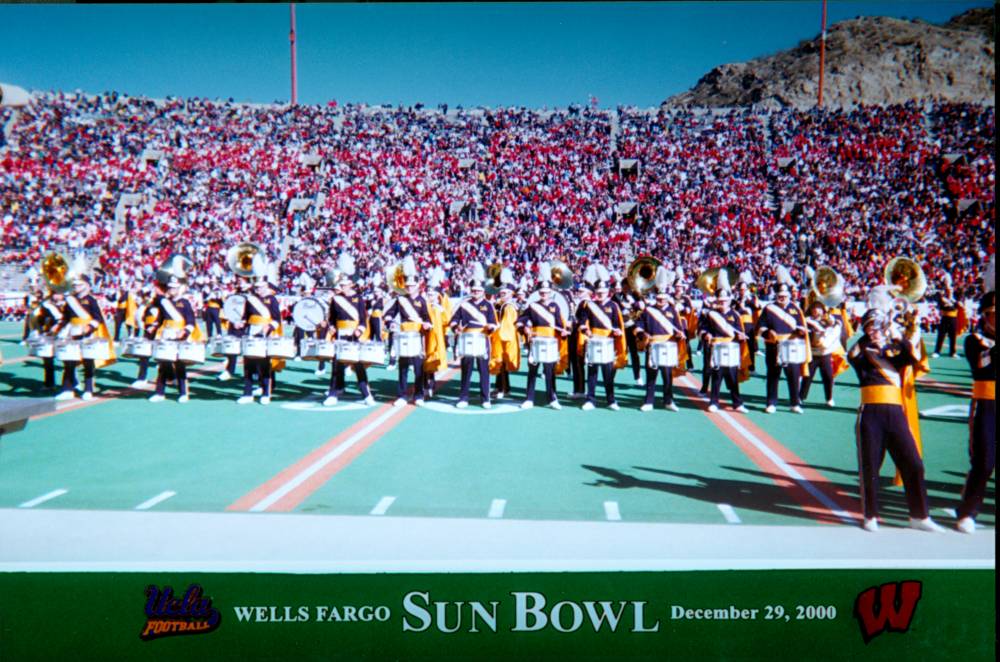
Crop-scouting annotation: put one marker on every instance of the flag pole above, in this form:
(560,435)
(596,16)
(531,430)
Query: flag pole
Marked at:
(291,39)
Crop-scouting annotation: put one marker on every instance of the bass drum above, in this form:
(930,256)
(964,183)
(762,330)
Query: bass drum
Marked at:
(232,307)
(309,313)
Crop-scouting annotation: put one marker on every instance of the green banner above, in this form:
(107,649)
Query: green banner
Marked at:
(734,615)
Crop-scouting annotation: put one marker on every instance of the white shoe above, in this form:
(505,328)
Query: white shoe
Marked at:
(966,525)
(925,524)
(87,396)
(870,524)
(399,402)
(830,403)
(555,405)
(319,373)
(527,404)
(183,399)
(258,391)
(156,397)
(265,400)
(797,409)
(140,383)
(461,404)
(330,401)
(419,402)
(614,406)
(935,355)
(640,382)
(770,409)
(673,407)
(487,405)
(742,409)
(224,376)
(646,408)
(712,409)
(244,399)
(587,406)
(65,395)
(370,400)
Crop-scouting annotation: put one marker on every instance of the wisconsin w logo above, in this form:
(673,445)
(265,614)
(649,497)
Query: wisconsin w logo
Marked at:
(887,607)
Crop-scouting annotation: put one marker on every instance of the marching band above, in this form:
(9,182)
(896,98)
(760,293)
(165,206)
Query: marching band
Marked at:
(591,328)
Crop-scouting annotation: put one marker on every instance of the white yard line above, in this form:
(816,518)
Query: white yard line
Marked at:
(611,512)
(497,507)
(162,496)
(383,505)
(42,499)
(729,513)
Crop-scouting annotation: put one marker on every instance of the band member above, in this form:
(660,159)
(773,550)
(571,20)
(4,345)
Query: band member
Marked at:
(148,317)
(348,320)
(261,319)
(439,307)
(708,303)
(631,306)
(82,319)
(948,327)
(721,324)
(124,311)
(505,348)
(828,355)
(781,321)
(602,318)
(410,313)
(236,329)
(476,315)
(176,322)
(577,361)
(684,306)
(980,352)
(882,423)
(747,306)
(48,315)
(212,312)
(544,319)
(660,323)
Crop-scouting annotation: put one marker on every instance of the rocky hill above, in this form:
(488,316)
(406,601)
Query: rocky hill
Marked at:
(870,60)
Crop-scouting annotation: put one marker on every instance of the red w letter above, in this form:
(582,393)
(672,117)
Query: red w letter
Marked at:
(890,606)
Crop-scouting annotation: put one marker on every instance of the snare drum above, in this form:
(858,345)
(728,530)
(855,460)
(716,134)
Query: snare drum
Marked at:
(95,349)
(726,355)
(792,351)
(544,350)
(318,350)
(281,348)
(600,351)
(165,350)
(68,350)
(254,348)
(191,352)
(408,344)
(663,354)
(373,353)
(137,348)
(43,348)
(226,346)
(348,351)
(472,345)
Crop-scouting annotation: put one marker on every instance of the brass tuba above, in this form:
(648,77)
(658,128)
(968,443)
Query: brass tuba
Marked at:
(493,282)
(827,287)
(562,277)
(906,280)
(641,274)
(56,272)
(708,281)
(240,257)
(395,278)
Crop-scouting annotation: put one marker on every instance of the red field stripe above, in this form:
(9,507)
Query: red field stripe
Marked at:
(808,501)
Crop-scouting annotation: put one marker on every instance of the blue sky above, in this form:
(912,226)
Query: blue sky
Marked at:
(531,54)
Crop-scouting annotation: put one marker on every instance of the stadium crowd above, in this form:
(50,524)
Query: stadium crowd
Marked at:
(846,188)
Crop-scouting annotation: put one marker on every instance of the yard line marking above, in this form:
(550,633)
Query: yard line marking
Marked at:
(611,512)
(296,483)
(772,455)
(950,512)
(729,513)
(497,507)
(383,505)
(42,499)
(162,496)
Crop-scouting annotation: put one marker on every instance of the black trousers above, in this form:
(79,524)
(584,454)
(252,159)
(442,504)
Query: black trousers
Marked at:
(577,364)
(338,379)
(502,382)
(882,428)
(633,351)
(793,375)
(144,361)
(946,327)
(752,348)
(261,369)
(982,455)
(549,372)
(213,321)
(731,376)
(119,321)
(690,360)
(706,368)
(168,368)
(482,367)
(49,365)
(825,366)
(417,363)
(607,371)
(231,361)
(667,378)
(69,375)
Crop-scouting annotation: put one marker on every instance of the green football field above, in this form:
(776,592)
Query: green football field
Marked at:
(120,452)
